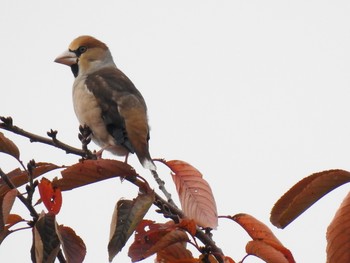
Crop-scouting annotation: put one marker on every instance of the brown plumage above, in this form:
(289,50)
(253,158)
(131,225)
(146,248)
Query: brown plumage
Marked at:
(107,101)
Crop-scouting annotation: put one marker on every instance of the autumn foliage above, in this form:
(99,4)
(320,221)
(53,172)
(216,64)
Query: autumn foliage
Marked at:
(186,234)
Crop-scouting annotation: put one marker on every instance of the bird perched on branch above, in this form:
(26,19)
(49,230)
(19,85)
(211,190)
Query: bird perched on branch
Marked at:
(107,101)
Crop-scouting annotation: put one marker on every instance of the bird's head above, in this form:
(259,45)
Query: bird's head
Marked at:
(86,54)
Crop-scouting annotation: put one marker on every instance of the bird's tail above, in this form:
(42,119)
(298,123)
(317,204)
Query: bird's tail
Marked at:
(148,164)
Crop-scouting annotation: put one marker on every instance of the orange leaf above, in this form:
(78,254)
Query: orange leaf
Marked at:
(51,196)
(338,238)
(260,232)
(196,198)
(189,225)
(228,260)
(305,193)
(7,146)
(256,229)
(73,246)
(91,171)
(266,252)
(13,219)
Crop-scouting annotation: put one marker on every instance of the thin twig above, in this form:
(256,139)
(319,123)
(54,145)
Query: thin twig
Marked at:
(8,125)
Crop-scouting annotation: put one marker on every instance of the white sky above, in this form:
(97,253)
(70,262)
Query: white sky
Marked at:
(255,94)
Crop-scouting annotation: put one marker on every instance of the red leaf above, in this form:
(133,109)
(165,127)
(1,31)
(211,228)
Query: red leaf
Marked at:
(170,238)
(91,171)
(7,146)
(51,196)
(146,239)
(196,197)
(304,194)
(73,246)
(176,253)
(260,232)
(338,238)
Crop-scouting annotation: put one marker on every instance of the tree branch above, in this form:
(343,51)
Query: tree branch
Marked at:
(7,124)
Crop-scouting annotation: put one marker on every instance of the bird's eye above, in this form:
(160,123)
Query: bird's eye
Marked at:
(82,49)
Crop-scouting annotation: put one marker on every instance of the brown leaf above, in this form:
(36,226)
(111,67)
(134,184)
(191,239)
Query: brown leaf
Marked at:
(176,253)
(196,198)
(19,177)
(6,203)
(260,232)
(126,217)
(7,146)
(304,194)
(4,234)
(45,241)
(73,246)
(91,171)
(266,252)
(12,219)
(13,175)
(338,237)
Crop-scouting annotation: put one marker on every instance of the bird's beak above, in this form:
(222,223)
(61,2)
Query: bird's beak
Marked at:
(67,58)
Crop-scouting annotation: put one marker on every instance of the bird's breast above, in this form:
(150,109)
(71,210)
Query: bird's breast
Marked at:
(88,112)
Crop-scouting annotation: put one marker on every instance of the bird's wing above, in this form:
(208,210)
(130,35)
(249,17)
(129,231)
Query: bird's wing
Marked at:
(123,109)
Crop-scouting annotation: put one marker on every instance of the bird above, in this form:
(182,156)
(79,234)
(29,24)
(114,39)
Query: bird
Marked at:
(107,101)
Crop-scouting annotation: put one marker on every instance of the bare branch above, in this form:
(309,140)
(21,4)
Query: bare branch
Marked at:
(7,124)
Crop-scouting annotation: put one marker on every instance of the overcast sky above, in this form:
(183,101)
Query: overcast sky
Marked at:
(255,94)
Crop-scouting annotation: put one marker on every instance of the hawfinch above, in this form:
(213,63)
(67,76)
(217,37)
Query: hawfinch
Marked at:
(107,101)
